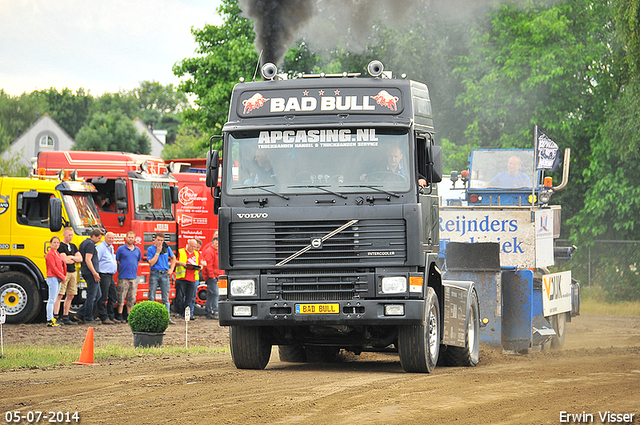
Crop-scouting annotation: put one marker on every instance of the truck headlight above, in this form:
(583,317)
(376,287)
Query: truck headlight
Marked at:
(394,285)
(242,311)
(242,287)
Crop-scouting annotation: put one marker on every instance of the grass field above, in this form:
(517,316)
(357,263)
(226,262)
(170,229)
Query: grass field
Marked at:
(37,356)
(592,301)
(591,306)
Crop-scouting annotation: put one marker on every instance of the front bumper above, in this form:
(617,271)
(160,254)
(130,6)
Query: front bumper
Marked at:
(349,313)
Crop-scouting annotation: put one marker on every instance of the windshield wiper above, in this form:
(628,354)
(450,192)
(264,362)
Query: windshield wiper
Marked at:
(318,186)
(263,187)
(146,214)
(161,214)
(376,188)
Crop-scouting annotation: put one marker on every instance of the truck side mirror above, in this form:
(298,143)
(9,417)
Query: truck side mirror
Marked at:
(434,164)
(55,214)
(174,194)
(121,194)
(213,164)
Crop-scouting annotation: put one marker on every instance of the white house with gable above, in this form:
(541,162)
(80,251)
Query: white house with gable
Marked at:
(45,134)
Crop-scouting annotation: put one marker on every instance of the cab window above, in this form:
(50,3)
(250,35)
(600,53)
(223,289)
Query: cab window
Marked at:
(33,209)
(105,198)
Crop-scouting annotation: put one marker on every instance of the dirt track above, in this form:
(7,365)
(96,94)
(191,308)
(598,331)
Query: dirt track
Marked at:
(598,371)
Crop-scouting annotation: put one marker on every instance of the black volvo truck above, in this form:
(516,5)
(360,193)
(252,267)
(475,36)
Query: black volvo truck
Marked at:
(328,224)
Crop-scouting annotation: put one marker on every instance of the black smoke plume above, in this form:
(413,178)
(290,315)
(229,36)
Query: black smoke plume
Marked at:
(351,24)
(276,24)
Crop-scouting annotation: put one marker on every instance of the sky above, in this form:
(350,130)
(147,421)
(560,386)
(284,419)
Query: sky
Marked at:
(102,46)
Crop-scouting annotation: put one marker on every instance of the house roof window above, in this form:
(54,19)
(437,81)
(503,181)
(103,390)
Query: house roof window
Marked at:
(46,141)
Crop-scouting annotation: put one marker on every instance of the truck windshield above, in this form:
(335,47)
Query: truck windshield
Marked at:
(82,212)
(316,161)
(502,169)
(152,200)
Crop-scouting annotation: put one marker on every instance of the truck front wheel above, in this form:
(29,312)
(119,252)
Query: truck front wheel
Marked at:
(419,345)
(20,296)
(250,347)
(469,355)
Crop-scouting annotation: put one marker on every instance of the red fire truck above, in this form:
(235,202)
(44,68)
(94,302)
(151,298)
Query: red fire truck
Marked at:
(135,192)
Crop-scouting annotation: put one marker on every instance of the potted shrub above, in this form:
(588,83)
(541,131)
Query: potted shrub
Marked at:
(148,321)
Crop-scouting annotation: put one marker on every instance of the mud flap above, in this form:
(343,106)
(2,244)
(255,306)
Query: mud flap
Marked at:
(480,263)
(518,300)
(455,307)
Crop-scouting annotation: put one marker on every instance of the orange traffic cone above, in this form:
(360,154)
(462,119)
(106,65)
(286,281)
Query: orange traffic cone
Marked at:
(86,356)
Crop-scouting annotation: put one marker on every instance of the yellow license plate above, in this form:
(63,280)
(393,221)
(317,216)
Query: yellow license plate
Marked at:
(317,308)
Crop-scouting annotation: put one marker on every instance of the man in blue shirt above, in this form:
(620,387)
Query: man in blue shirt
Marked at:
(108,267)
(512,178)
(162,262)
(128,256)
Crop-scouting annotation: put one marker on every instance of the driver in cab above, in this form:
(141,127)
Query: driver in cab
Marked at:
(264,171)
(512,178)
(394,167)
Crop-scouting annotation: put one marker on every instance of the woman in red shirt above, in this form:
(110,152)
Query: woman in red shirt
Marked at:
(56,273)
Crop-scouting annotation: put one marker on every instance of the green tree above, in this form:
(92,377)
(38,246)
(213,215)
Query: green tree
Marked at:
(13,166)
(17,114)
(124,103)
(71,111)
(611,207)
(226,53)
(627,21)
(112,131)
(161,106)
(154,96)
(190,143)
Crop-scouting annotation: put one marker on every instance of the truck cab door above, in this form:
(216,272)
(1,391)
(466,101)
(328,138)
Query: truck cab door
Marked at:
(32,233)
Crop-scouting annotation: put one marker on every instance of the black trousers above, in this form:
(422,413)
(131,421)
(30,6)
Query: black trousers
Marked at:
(184,294)
(107,302)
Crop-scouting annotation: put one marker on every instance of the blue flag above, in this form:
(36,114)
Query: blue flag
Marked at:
(547,153)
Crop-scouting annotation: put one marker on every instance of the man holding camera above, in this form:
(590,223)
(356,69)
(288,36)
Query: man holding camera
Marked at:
(162,262)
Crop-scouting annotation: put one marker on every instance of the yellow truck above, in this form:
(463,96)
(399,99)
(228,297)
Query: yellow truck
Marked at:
(32,210)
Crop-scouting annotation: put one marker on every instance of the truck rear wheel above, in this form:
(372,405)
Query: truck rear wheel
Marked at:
(558,322)
(469,355)
(250,348)
(20,296)
(292,353)
(419,345)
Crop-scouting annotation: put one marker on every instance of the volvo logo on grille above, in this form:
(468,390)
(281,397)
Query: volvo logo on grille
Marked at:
(316,243)
(253,215)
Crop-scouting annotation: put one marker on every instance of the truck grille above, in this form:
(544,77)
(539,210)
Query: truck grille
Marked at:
(312,287)
(367,242)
